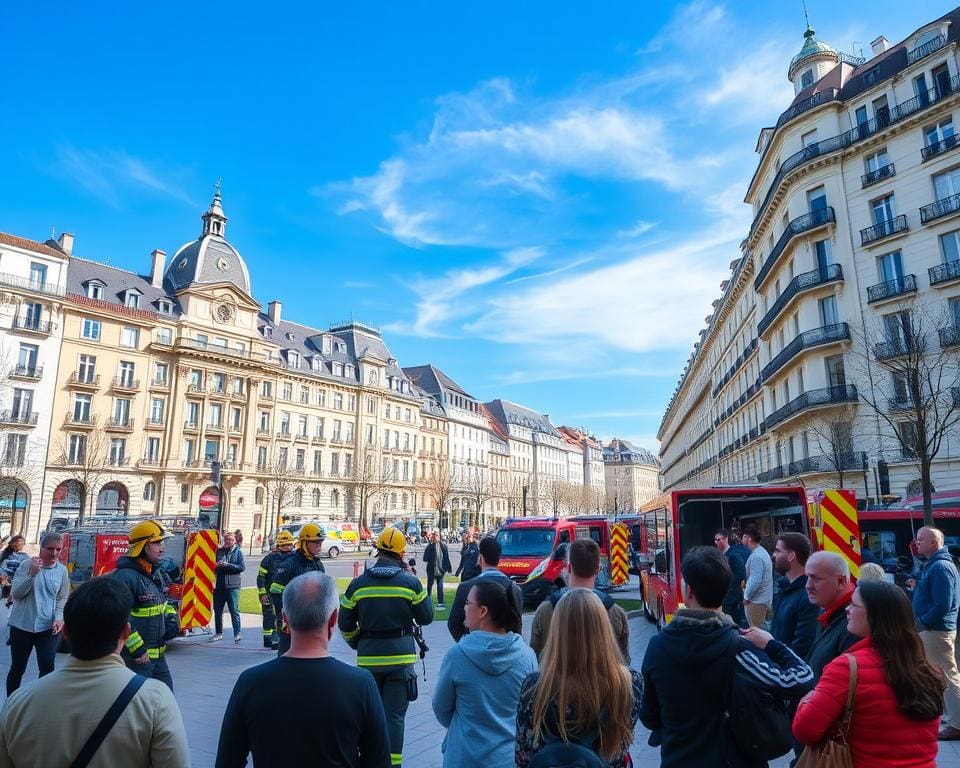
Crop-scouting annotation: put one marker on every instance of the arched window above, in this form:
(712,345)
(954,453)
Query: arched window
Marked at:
(316,497)
(258,495)
(150,491)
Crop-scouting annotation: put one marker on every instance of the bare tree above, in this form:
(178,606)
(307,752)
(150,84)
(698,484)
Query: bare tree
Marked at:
(285,485)
(915,385)
(576,498)
(480,490)
(439,487)
(372,473)
(554,493)
(87,464)
(833,434)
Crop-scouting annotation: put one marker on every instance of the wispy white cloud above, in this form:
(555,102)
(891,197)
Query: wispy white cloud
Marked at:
(539,376)
(113,175)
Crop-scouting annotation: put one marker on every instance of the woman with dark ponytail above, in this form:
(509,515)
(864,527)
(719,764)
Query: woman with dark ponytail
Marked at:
(479,686)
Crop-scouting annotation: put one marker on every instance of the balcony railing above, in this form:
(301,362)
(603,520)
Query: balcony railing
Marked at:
(940,208)
(879,174)
(118,461)
(771,474)
(940,147)
(892,288)
(44,327)
(825,463)
(18,417)
(806,223)
(27,372)
(115,423)
(192,425)
(900,404)
(828,334)
(215,427)
(160,383)
(15,281)
(884,229)
(154,422)
(926,49)
(195,389)
(84,380)
(821,97)
(802,282)
(950,336)
(812,399)
(944,273)
(149,462)
(220,349)
(80,420)
(856,134)
(125,382)
(737,364)
(887,350)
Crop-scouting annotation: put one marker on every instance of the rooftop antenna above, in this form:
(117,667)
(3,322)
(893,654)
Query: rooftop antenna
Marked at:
(218,185)
(53,233)
(805,15)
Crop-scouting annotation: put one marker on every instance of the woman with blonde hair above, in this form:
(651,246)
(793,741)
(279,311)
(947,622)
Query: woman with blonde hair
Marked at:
(583,693)
(871,572)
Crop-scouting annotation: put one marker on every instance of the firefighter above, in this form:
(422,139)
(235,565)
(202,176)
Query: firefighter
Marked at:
(377,615)
(304,559)
(153,620)
(265,574)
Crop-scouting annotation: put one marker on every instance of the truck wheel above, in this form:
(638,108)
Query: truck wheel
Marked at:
(334,552)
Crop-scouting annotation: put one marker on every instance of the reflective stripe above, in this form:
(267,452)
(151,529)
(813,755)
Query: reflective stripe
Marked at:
(262,571)
(386,661)
(267,632)
(134,642)
(150,610)
(351,634)
(169,609)
(395,759)
(261,591)
(156,653)
(276,588)
(367,592)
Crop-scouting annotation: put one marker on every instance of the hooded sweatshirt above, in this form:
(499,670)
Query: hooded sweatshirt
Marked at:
(476,698)
(686,670)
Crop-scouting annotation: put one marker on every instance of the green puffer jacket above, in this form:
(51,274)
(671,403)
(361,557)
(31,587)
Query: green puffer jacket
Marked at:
(377,613)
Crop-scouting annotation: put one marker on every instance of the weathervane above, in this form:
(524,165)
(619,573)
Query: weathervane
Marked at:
(218,185)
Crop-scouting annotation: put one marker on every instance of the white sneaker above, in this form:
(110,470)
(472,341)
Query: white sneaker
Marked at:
(218,636)
(236,638)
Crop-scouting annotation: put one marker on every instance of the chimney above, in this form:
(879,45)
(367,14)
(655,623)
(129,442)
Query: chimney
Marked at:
(273,311)
(65,241)
(156,269)
(880,45)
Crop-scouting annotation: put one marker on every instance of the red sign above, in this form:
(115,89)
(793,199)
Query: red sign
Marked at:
(110,548)
(209,499)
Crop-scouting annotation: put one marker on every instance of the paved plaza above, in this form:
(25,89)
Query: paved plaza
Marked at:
(204,674)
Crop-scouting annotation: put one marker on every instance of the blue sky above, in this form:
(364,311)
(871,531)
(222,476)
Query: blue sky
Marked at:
(540,198)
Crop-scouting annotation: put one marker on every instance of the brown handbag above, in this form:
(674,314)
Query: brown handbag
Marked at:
(834,752)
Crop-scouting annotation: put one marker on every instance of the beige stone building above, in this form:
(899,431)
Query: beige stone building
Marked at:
(631,476)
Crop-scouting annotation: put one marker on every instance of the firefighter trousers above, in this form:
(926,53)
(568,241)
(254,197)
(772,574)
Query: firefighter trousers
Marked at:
(270,631)
(394,691)
(156,669)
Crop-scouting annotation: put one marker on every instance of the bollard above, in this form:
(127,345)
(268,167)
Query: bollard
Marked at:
(356,568)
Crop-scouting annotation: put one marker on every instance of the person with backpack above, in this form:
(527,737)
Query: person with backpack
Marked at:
(580,709)
(714,694)
(583,560)
(479,685)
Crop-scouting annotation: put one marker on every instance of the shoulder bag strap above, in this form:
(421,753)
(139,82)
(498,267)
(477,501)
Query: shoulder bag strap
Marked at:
(109,720)
(851,694)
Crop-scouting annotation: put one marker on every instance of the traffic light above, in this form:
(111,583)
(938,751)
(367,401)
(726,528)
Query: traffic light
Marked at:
(884,473)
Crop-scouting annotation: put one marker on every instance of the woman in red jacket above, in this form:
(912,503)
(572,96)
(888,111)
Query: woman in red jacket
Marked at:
(899,696)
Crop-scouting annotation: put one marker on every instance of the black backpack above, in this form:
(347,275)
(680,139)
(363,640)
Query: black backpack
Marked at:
(756,717)
(556,753)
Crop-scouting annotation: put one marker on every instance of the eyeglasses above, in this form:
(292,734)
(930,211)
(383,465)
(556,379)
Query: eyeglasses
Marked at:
(471,602)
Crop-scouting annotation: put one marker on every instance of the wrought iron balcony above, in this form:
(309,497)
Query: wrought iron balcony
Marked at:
(216,426)
(821,97)
(32,372)
(155,423)
(892,288)
(28,325)
(806,223)
(858,133)
(884,229)
(950,336)
(191,425)
(80,420)
(828,334)
(263,430)
(926,49)
(125,383)
(159,383)
(944,273)
(802,282)
(116,424)
(900,404)
(195,389)
(812,399)
(22,418)
(825,463)
(771,474)
(737,364)
(36,286)
(940,147)
(118,461)
(888,350)
(149,462)
(939,209)
(84,380)
(887,171)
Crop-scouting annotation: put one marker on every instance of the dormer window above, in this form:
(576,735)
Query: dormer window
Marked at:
(348,371)
(267,331)
(341,347)
(806,79)
(290,336)
(293,359)
(131,299)
(165,306)
(94,289)
(338,369)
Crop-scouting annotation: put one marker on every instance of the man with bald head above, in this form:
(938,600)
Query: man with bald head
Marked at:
(936,600)
(829,587)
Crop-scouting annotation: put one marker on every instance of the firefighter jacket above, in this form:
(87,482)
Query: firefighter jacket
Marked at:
(268,569)
(292,566)
(153,620)
(377,613)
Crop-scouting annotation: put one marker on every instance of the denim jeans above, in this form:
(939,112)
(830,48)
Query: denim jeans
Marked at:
(438,579)
(21,644)
(231,599)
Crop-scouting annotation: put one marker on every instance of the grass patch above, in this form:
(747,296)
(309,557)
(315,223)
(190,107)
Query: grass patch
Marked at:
(630,605)
(250,602)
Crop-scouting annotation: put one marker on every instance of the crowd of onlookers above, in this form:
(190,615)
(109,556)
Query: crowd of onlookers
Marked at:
(793,627)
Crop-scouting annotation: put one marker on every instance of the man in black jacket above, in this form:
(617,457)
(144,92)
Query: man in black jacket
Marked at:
(489,560)
(733,602)
(304,559)
(226,590)
(688,667)
(469,558)
(436,559)
(794,616)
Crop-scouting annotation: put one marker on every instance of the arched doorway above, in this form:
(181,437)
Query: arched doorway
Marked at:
(113,499)
(67,499)
(14,502)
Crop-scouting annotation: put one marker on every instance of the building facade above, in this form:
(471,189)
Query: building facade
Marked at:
(846,292)
(631,474)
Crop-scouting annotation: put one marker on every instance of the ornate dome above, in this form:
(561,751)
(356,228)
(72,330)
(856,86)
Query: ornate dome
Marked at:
(210,258)
(812,48)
